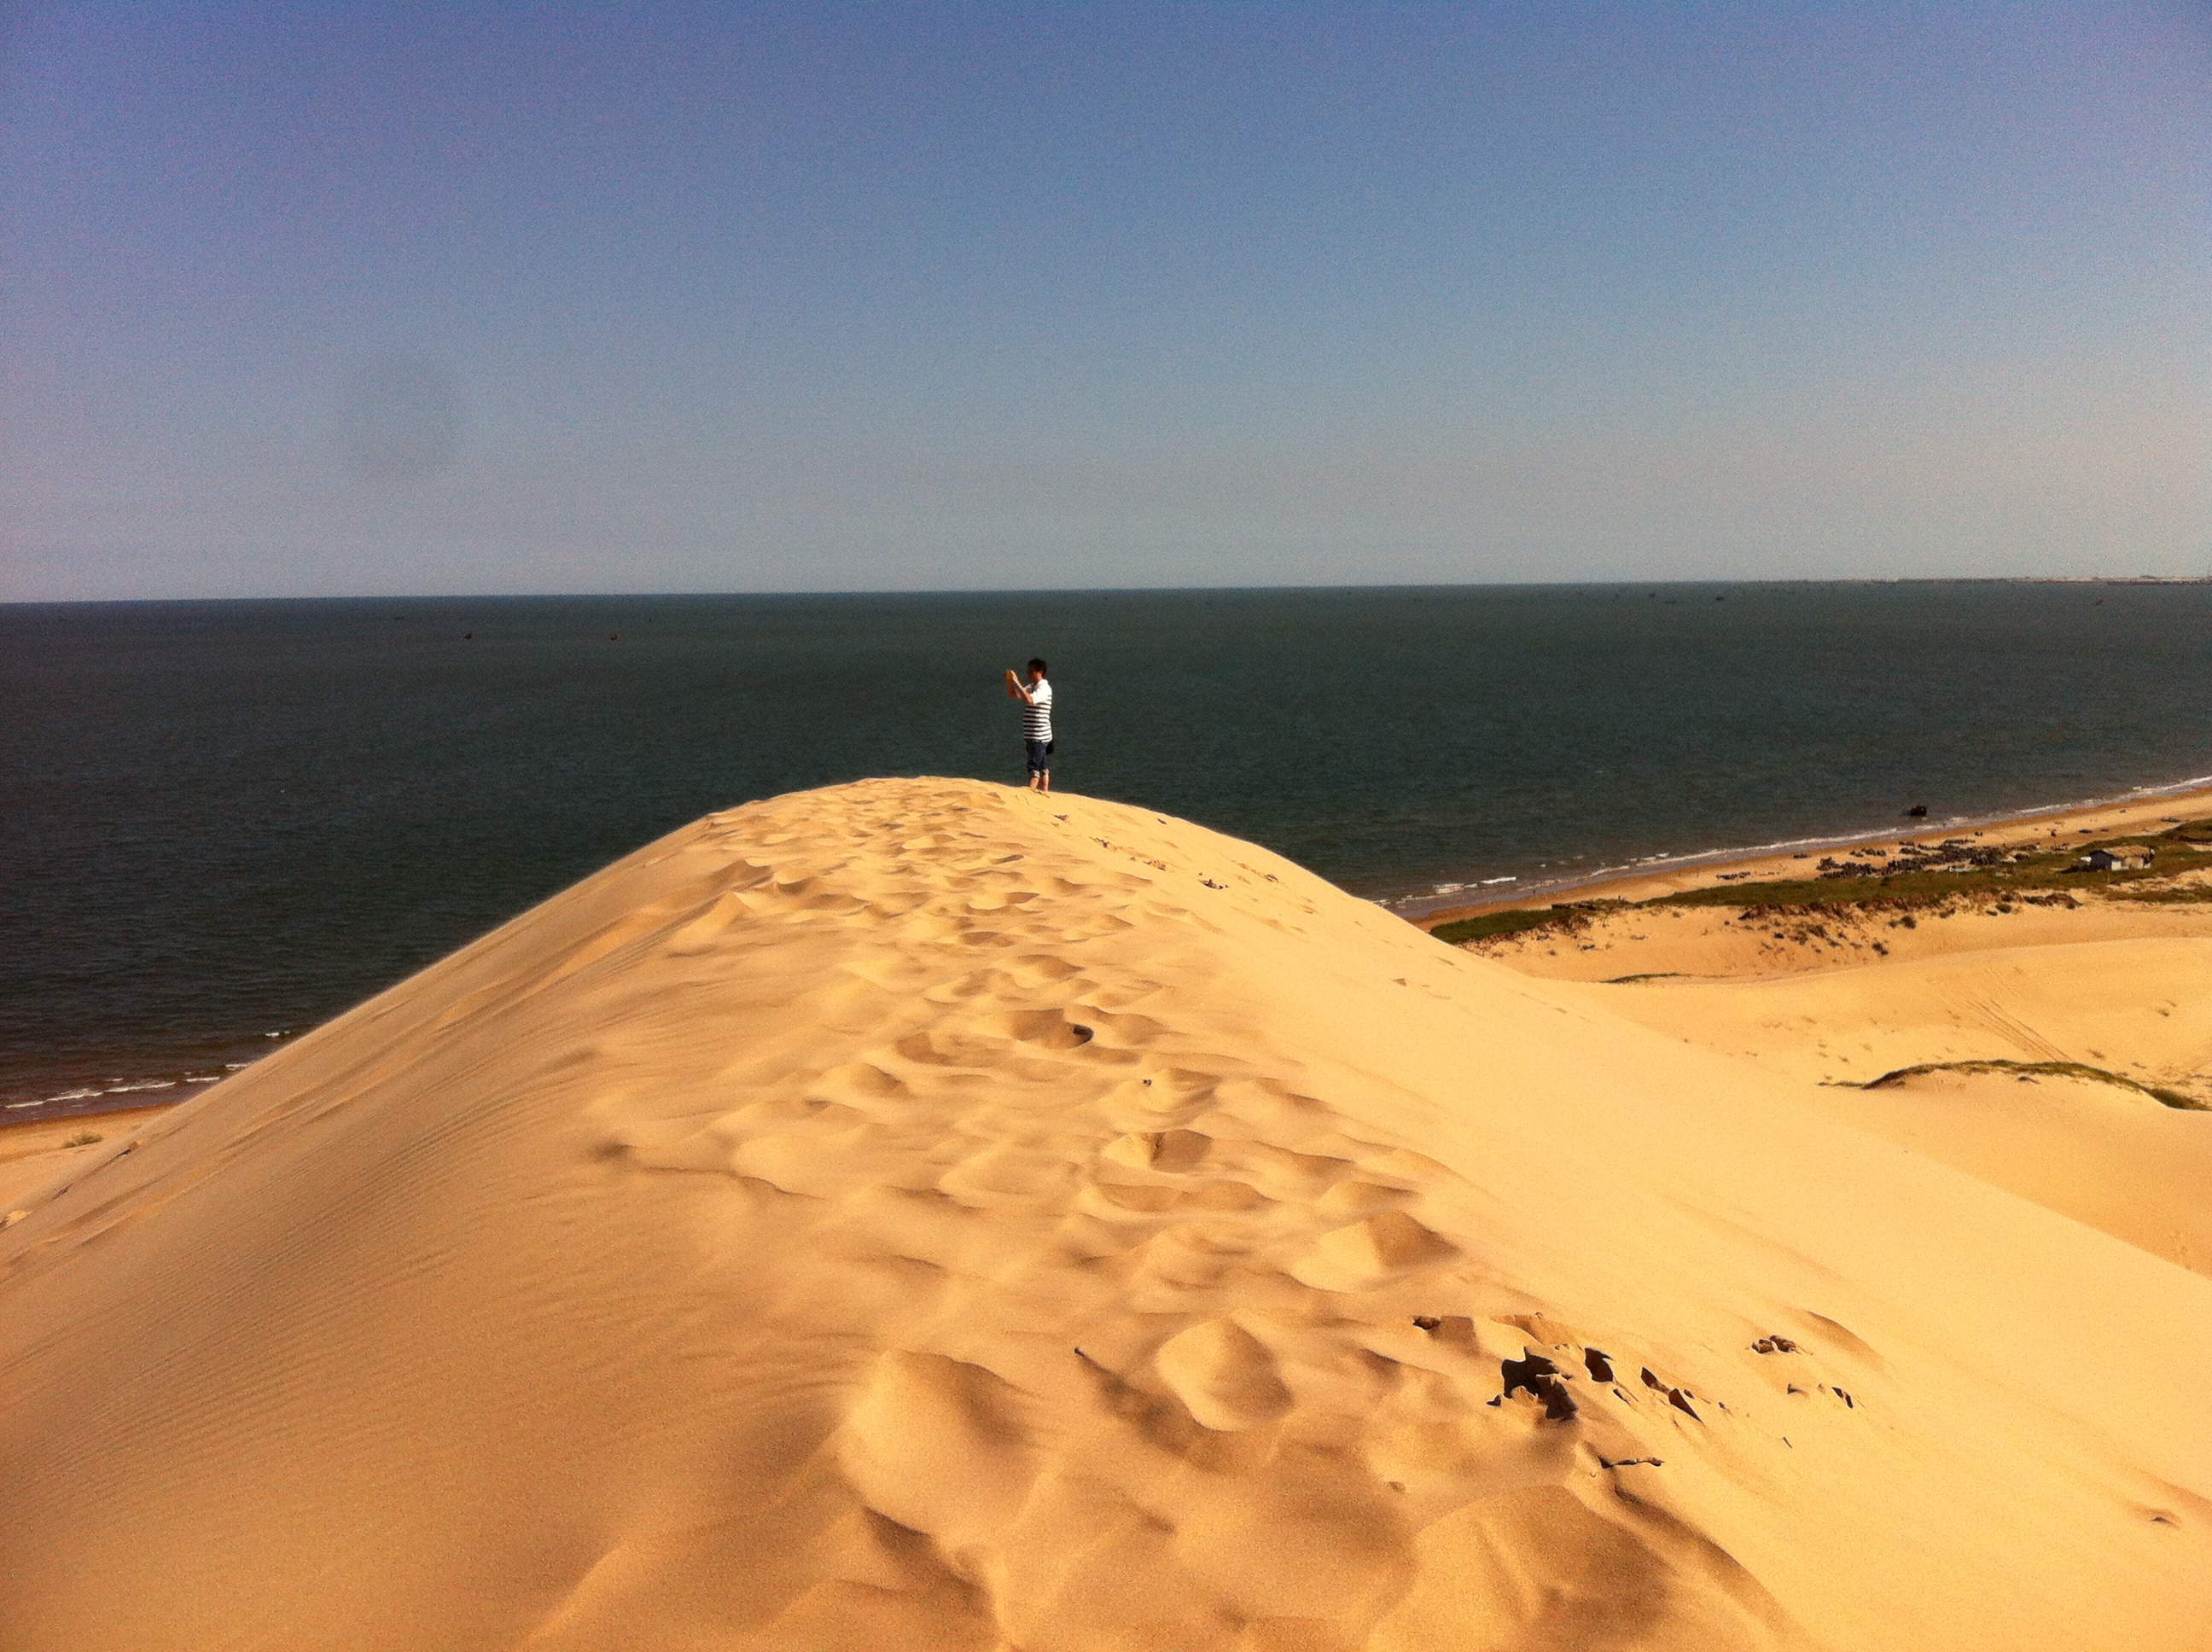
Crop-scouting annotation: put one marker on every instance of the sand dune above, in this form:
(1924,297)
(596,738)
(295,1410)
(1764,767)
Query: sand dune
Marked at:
(921,1214)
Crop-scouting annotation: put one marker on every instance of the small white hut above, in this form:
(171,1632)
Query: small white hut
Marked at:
(2118,856)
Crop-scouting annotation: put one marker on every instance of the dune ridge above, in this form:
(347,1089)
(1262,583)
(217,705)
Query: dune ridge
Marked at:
(922,1214)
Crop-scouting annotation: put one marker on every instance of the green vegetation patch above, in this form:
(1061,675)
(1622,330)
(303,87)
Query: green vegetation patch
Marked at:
(1959,871)
(1814,894)
(1567,919)
(1956,875)
(2188,894)
(2165,1097)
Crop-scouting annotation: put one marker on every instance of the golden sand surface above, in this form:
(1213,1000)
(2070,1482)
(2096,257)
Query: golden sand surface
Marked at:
(923,1214)
(35,1155)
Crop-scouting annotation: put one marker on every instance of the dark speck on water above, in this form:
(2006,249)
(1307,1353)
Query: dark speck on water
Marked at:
(220,820)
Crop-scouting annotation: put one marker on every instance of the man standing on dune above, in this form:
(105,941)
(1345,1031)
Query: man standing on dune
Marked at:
(1036,722)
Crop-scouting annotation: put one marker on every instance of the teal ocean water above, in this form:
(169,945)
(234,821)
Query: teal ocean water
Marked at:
(223,822)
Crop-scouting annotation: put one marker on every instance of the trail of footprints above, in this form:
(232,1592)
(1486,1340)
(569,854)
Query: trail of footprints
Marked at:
(1128,1277)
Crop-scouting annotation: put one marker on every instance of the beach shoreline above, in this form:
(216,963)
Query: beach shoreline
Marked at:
(1672,876)
(124,1080)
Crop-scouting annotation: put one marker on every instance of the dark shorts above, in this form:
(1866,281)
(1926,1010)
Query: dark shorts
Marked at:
(1040,759)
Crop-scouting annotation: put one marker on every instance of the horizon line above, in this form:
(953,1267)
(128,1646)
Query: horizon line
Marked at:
(1116,590)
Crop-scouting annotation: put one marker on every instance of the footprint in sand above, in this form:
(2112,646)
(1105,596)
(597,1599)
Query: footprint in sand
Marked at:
(1371,1253)
(1172,1150)
(1223,1375)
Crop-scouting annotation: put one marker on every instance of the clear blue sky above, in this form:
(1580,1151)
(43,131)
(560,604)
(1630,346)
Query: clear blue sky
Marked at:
(304,300)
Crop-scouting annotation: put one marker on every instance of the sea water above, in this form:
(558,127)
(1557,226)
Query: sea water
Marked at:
(223,822)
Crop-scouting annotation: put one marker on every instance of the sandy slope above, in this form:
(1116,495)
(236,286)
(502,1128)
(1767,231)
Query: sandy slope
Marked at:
(2117,1161)
(2141,1007)
(918,1214)
(36,1154)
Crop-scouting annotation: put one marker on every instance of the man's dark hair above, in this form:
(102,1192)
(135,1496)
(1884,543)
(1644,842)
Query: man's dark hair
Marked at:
(1037,666)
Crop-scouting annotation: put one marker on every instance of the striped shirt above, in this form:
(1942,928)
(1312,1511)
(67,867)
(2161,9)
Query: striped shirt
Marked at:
(1036,716)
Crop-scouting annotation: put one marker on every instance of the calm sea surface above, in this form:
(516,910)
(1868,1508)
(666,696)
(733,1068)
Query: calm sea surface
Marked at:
(223,822)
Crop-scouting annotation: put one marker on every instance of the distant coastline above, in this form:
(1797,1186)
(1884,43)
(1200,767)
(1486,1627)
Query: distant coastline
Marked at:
(1669,874)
